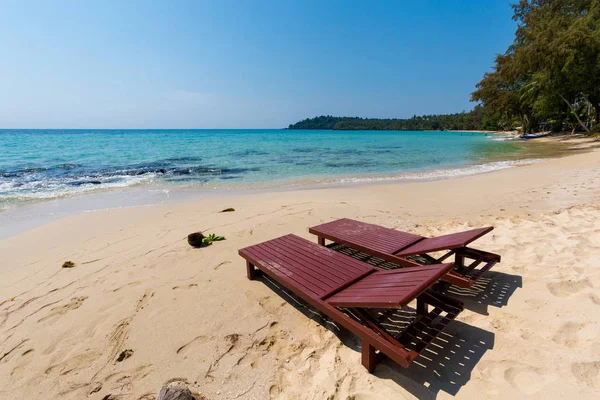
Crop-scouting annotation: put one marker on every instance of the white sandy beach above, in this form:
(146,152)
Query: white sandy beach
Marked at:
(531,329)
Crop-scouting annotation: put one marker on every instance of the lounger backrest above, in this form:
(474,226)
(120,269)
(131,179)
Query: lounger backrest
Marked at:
(445,242)
(389,289)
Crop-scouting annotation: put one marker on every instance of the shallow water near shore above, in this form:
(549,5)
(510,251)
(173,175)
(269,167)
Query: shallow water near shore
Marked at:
(42,165)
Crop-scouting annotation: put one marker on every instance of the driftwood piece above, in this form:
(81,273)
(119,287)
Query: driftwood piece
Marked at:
(176,390)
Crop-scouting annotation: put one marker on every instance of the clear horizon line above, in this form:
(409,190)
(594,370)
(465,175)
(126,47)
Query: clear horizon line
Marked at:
(135,129)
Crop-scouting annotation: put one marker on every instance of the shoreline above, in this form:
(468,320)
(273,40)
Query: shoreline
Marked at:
(29,216)
(56,176)
(190,196)
(530,330)
(20,218)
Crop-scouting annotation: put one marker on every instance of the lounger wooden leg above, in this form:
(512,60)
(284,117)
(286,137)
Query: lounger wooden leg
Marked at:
(421,306)
(321,241)
(368,356)
(459,261)
(252,271)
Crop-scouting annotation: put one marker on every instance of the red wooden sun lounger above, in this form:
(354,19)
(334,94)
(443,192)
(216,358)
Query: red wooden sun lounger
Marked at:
(346,290)
(408,250)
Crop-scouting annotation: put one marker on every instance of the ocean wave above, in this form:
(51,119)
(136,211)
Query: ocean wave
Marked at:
(503,138)
(16,191)
(439,173)
(13,191)
(350,164)
(430,175)
(26,183)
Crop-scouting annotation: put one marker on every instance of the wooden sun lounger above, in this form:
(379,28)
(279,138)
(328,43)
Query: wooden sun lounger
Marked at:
(345,289)
(408,250)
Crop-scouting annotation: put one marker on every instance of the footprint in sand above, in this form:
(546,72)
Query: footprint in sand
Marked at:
(127,285)
(587,373)
(73,364)
(121,331)
(144,300)
(567,334)
(125,379)
(262,342)
(527,380)
(505,322)
(291,350)
(265,343)
(569,287)
(274,391)
(118,337)
(524,378)
(197,340)
(190,286)
(223,349)
(74,304)
(221,264)
(270,304)
(22,363)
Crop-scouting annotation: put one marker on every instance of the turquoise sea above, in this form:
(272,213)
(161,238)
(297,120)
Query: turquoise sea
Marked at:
(36,165)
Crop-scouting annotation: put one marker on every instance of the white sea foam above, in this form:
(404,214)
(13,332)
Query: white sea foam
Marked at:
(437,174)
(446,173)
(503,138)
(54,188)
(14,193)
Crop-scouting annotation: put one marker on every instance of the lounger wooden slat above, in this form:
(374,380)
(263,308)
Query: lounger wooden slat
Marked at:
(271,253)
(370,235)
(382,287)
(445,242)
(313,273)
(310,278)
(297,279)
(408,250)
(358,295)
(310,267)
(348,270)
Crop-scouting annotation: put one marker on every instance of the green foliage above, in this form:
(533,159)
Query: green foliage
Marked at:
(212,238)
(472,120)
(595,132)
(322,122)
(552,69)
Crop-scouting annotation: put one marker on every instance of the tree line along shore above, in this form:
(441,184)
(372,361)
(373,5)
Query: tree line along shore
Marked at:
(472,120)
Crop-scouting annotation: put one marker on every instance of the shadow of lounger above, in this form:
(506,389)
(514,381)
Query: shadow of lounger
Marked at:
(492,289)
(445,364)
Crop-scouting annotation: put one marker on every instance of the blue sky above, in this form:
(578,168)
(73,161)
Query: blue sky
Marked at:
(244,64)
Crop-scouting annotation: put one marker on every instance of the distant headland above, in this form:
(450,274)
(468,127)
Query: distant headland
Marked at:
(471,120)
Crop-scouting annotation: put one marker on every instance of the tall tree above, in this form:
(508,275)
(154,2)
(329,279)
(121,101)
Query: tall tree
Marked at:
(555,57)
(500,91)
